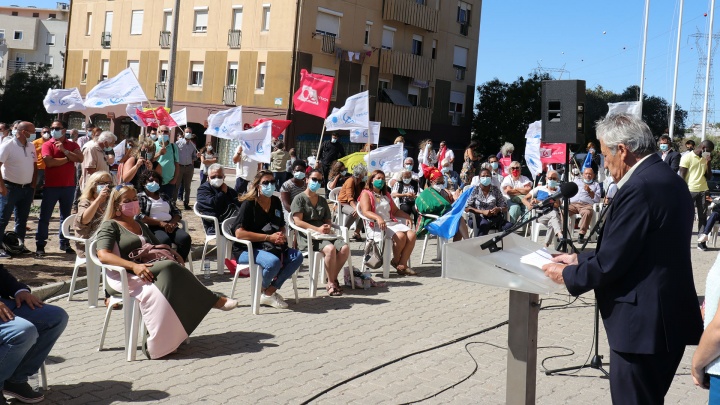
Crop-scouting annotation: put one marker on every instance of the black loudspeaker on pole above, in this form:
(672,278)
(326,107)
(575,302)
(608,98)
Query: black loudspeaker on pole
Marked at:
(563,111)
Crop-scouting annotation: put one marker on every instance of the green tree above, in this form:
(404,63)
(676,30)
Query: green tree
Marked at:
(23,94)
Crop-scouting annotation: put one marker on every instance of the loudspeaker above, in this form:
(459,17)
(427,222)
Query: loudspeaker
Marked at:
(563,111)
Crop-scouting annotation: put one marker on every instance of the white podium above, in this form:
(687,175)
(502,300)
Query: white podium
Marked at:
(466,261)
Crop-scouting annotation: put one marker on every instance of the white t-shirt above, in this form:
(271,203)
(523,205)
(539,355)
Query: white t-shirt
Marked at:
(18,161)
(246,168)
(159,209)
(449,155)
(522,181)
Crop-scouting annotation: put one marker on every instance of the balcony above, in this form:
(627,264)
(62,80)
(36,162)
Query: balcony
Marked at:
(407,64)
(234,39)
(229,93)
(160,91)
(328,41)
(411,12)
(165,37)
(398,116)
(17,66)
(105,38)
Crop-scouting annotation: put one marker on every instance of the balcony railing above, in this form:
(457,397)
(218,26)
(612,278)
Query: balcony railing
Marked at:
(105,39)
(397,116)
(460,72)
(229,93)
(160,91)
(234,39)
(17,65)
(328,41)
(165,39)
(411,12)
(407,64)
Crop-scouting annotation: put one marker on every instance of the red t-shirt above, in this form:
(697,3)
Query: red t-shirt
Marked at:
(63,175)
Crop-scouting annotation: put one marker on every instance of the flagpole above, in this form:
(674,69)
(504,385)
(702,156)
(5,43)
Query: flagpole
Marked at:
(317,156)
(675,76)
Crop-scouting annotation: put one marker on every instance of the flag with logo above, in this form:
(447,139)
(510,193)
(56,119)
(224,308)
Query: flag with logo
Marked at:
(552,153)
(371,135)
(313,94)
(278,126)
(131,111)
(256,142)
(164,117)
(180,117)
(121,89)
(223,123)
(63,100)
(355,114)
(532,148)
(388,158)
(147,118)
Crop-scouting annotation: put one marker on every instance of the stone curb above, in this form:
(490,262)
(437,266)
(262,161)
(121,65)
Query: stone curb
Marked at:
(47,291)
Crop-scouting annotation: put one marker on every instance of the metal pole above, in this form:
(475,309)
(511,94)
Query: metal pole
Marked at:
(171,59)
(675,77)
(707,69)
(642,67)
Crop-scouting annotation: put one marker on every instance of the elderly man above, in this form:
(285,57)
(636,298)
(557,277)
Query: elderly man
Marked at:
(695,170)
(168,155)
(514,187)
(552,219)
(588,194)
(668,154)
(94,159)
(187,154)
(646,297)
(215,198)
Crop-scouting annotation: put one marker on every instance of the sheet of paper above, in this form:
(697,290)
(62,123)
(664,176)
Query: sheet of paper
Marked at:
(538,258)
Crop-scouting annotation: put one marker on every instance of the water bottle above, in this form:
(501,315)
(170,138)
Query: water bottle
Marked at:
(206,269)
(366,280)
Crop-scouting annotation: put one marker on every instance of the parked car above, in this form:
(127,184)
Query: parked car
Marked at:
(714,184)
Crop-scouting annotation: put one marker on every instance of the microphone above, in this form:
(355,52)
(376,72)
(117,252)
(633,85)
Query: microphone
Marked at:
(566,190)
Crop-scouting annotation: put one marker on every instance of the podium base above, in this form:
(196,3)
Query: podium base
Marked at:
(522,348)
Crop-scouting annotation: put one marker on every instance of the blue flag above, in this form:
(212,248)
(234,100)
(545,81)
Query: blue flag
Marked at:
(447,225)
(588,161)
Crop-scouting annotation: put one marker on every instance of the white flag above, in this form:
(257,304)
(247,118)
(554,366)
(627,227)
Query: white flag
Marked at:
(388,158)
(223,123)
(180,117)
(63,100)
(256,142)
(532,147)
(627,107)
(354,114)
(131,111)
(364,136)
(121,89)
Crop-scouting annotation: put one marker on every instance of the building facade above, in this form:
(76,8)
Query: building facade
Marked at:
(33,35)
(415,57)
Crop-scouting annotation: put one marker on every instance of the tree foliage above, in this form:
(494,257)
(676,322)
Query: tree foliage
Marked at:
(23,93)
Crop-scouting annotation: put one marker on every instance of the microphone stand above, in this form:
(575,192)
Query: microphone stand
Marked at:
(491,244)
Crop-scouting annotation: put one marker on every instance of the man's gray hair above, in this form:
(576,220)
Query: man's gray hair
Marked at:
(215,167)
(628,130)
(107,137)
(359,170)
(410,159)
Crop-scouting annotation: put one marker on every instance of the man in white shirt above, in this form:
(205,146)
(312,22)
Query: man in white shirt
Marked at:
(245,170)
(514,187)
(588,194)
(445,153)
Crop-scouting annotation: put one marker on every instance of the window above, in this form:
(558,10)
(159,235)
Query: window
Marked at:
(18,35)
(463,12)
(421,2)
(52,15)
(105,69)
(457,99)
(134,65)
(167,20)
(260,85)
(363,83)
(417,42)
(368,27)
(49,60)
(50,39)
(434,50)
(430,97)
(14,13)
(265,18)
(108,21)
(136,22)
(413,95)
(237,18)
(2,34)
(328,22)
(88,24)
(36,15)
(83,77)
(383,84)
(196,73)
(163,74)
(388,37)
(201,20)
(232,74)
(460,55)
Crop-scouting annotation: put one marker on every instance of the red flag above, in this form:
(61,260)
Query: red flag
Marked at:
(164,118)
(278,126)
(313,94)
(552,153)
(147,117)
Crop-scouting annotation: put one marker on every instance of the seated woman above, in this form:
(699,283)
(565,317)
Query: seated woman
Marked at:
(349,197)
(338,175)
(159,213)
(293,186)
(376,204)
(404,193)
(311,211)
(140,159)
(552,219)
(437,200)
(260,220)
(162,288)
(487,205)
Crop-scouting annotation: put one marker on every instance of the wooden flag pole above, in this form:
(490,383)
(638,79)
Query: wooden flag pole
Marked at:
(317,156)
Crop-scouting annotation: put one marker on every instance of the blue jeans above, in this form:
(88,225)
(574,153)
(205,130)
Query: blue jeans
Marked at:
(51,196)
(18,200)
(275,273)
(711,220)
(714,389)
(26,340)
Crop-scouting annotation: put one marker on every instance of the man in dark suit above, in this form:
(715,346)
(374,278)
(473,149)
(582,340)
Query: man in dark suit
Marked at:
(668,154)
(647,299)
(28,331)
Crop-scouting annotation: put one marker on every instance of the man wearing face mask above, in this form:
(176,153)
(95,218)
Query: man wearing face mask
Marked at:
(60,157)
(695,170)
(187,153)
(451,176)
(167,154)
(588,194)
(668,154)
(94,159)
(689,147)
(330,151)
(540,193)
(38,143)
(215,198)
(153,134)
(514,187)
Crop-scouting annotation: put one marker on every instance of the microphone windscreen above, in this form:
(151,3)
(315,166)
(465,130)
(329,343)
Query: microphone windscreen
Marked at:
(569,190)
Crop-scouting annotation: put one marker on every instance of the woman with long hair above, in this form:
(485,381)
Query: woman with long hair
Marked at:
(338,175)
(140,159)
(471,160)
(91,207)
(208,157)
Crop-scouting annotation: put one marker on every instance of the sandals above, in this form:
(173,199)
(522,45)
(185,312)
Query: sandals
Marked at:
(404,270)
(116,306)
(333,289)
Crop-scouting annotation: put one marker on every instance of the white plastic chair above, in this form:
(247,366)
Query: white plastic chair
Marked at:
(440,241)
(536,228)
(131,308)
(385,241)
(92,271)
(219,239)
(255,269)
(338,216)
(189,263)
(317,259)
(597,207)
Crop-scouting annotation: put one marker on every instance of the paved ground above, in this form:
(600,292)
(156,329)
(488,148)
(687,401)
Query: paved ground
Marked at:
(289,356)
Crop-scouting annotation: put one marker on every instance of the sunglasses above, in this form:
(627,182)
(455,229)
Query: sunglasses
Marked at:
(315,179)
(266,182)
(104,183)
(56,129)
(514,168)
(165,132)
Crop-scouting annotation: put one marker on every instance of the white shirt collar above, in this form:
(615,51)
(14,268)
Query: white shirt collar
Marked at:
(630,172)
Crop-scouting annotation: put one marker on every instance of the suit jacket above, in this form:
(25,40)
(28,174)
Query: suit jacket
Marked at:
(641,270)
(672,158)
(9,284)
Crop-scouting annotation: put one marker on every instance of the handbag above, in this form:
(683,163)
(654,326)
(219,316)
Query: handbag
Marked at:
(373,255)
(149,253)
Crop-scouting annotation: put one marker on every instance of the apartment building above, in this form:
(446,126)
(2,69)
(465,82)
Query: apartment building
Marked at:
(415,57)
(33,35)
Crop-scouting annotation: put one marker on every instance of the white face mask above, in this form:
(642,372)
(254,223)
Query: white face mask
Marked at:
(209,148)
(217,183)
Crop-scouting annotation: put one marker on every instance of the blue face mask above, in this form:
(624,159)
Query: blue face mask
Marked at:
(152,187)
(586,181)
(365,178)
(128,146)
(108,149)
(314,186)
(344,172)
(153,137)
(100,188)
(494,165)
(485,181)
(32,137)
(333,140)
(14,132)
(408,167)
(663,147)
(299,175)
(445,169)
(267,189)
(553,183)
(166,138)
(57,134)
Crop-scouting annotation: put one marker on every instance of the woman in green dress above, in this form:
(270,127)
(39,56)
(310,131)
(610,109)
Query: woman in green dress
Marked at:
(172,300)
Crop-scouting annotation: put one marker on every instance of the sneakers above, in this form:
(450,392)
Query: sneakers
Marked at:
(24,250)
(40,252)
(581,237)
(4,254)
(22,392)
(275,301)
(67,249)
(702,238)
(229,305)
(702,246)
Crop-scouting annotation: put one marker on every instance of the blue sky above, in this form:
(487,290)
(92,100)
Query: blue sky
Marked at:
(596,41)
